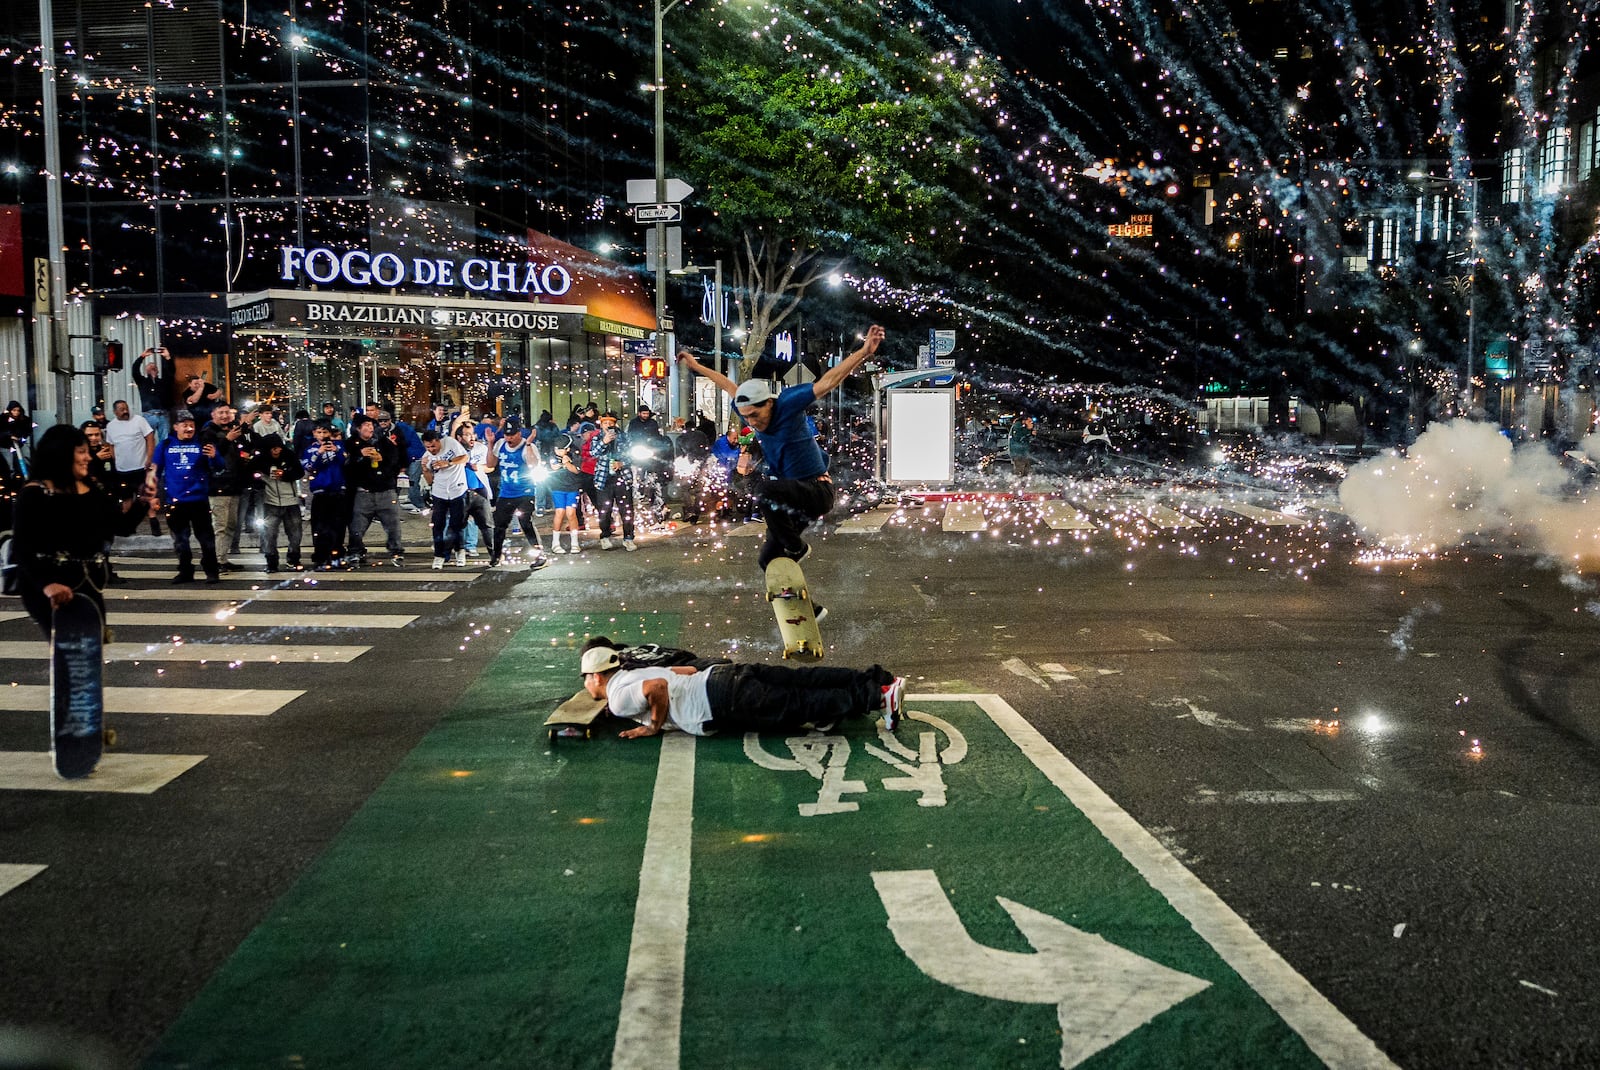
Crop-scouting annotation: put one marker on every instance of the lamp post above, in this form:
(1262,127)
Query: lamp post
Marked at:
(663,341)
(60,347)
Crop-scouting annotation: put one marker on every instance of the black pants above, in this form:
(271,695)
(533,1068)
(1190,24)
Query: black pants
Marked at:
(778,698)
(449,521)
(789,506)
(504,510)
(616,496)
(183,517)
(329,521)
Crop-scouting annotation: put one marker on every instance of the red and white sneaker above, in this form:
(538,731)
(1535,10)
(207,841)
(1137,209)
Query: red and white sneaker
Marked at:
(893,696)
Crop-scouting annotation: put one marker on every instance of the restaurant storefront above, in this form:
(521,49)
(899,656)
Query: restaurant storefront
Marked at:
(500,337)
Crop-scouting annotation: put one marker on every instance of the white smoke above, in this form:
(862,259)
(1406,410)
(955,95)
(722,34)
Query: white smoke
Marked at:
(1463,481)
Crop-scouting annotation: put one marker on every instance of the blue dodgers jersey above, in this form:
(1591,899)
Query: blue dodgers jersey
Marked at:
(517,479)
(184,470)
(789,442)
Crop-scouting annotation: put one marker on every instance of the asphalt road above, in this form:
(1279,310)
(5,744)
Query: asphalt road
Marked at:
(1389,769)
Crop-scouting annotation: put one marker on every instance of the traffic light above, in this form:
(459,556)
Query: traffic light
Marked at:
(652,368)
(113,356)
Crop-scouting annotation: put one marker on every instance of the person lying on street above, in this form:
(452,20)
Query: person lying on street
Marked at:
(739,698)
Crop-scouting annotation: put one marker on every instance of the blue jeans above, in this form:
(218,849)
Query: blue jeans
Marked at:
(414,473)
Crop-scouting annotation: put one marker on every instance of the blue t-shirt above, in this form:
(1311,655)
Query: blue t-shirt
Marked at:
(182,470)
(517,478)
(789,443)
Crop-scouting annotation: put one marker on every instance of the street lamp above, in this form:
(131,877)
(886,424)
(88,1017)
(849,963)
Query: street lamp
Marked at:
(663,345)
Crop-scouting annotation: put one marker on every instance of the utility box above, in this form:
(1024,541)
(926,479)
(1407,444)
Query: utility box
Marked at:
(922,436)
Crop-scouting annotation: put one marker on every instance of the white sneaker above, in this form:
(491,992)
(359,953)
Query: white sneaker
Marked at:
(605,543)
(438,562)
(461,558)
(627,544)
(471,551)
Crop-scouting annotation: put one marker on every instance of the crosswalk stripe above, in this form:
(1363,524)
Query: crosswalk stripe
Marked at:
(234,619)
(1160,516)
(269,594)
(11,616)
(375,575)
(863,522)
(964,516)
(205,701)
(754,527)
(199,653)
(132,774)
(1064,516)
(1270,517)
(13,874)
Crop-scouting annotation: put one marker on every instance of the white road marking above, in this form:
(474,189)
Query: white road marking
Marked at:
(223,595)
(316,579)
(13,874)
(199,653)
(650,1028)
(1539,988)
(236,702)
(1064,516)
(1018,667)
(1159,516)
(1209,718)
(754,527)
(129,774)
(964,516)
(1153,637)
(1058,672)
(252,619)
(1329,1034)
(4,617)
(1269,517)
(1102,992)
(1303,795)
(864,522)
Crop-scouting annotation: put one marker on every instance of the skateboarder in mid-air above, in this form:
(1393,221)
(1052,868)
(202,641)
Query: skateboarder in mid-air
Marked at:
(798,489)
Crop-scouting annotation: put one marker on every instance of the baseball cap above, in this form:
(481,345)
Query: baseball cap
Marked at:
(753,392)
(512,425)
(600,659)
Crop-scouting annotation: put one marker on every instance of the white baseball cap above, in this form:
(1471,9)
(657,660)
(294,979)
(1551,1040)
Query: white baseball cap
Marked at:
(754,392)
(600,659)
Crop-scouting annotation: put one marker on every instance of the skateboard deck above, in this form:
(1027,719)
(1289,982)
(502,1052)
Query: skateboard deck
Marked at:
(77,698)
(575,718)
(791,604)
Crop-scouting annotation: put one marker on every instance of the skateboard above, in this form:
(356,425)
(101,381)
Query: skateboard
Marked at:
(78,734)
(791,604)
(575,718)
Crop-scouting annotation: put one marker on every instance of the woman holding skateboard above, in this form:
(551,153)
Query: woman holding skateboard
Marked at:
(64,526)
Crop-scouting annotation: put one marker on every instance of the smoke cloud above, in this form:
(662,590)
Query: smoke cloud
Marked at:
(1463,482)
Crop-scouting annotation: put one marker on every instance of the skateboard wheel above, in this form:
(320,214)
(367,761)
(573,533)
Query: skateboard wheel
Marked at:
(109,736)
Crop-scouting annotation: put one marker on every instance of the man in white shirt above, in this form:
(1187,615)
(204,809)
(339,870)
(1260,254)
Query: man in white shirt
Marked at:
(444,468)
(134,441)
(738,698)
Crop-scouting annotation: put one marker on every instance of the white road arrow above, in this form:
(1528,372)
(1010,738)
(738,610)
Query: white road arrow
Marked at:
(1102,992)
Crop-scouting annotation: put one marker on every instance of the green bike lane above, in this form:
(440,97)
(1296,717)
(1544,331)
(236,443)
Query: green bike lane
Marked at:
(954,894)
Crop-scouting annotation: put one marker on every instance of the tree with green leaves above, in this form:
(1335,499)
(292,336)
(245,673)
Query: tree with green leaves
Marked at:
(841,134)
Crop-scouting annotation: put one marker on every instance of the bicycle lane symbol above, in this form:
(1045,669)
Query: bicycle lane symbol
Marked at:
(826,757)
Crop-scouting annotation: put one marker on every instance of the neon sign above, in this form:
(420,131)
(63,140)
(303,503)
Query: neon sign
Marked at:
(357,267)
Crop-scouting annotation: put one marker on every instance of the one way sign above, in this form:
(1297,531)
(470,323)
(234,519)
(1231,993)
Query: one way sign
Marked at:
(657,213)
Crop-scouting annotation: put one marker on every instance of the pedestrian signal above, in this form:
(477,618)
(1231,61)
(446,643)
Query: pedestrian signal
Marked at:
(113,356)
(652,367)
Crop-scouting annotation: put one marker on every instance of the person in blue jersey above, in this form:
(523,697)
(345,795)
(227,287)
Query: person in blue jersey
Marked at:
(797,489)
(323,462)
(516,458)
(181,472)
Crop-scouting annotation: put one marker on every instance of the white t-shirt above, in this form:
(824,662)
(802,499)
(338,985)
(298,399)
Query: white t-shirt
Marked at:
(127,437)
(448,483)
(688,708)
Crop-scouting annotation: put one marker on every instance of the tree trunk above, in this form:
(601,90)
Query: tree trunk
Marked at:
(768,289)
